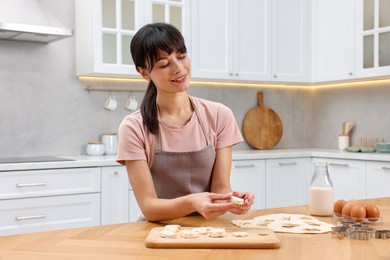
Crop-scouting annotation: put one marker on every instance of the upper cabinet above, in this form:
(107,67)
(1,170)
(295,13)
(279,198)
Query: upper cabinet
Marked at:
(104,29)
(289,43)
(333,38)
(230,39)
(373,38)
(351,39)
(295,41)
(254,40)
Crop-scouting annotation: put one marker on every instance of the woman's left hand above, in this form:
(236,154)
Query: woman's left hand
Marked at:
(248,202)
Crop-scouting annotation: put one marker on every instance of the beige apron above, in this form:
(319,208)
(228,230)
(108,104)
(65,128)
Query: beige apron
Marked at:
(177,174)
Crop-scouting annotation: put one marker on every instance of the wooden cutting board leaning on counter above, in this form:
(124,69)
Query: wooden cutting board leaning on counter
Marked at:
(127,241)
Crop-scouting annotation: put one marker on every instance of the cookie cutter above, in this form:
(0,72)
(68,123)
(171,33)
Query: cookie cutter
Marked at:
(353,230)
(383,234)
(340,231)
(361,234)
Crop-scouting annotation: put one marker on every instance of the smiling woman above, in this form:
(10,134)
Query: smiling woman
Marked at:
(178,148)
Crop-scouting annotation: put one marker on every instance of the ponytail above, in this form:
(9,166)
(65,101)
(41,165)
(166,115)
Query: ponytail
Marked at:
(149,108)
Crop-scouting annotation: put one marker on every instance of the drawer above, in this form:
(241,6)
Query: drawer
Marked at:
(37,183)
(49,213)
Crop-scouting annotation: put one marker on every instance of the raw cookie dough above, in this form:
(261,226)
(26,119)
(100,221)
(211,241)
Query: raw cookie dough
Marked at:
(189,234)
(217,232)
(240,234)
(236,200)
(167,233)
(288,223)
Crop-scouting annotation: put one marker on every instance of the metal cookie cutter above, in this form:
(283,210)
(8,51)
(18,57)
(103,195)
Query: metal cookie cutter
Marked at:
(361,234)
(340,231)
(384,234)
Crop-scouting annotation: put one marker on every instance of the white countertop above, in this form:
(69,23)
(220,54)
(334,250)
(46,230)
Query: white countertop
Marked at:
(101,161)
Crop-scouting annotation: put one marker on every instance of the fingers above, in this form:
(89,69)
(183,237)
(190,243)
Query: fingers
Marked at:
(247,196)
(219,204)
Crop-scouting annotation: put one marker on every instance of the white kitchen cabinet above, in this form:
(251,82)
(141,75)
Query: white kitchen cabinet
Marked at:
(39,183)
(287,182)
(134,210)
(19,216)
(290,41)
(115,199)
(333,38)
(230,39)
(249,176)
(42,200)
(378,178)
(348,178)
(104,29)
(372,38)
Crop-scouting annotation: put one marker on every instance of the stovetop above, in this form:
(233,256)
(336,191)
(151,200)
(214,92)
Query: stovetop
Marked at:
(33,159)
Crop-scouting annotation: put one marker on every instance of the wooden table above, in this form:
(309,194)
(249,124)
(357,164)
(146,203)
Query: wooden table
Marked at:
(126,241)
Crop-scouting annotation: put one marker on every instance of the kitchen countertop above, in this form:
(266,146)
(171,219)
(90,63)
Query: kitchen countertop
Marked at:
(101,161)
(126,241)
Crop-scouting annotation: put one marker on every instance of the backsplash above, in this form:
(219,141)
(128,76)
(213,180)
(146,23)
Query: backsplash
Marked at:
(45,109)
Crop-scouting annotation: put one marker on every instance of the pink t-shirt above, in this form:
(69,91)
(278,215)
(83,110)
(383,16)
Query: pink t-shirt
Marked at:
(136,142)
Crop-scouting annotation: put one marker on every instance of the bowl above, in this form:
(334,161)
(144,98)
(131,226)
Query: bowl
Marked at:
(95,148)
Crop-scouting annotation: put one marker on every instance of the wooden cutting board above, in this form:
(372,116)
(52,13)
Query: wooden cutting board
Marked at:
(257,238)
(262,126)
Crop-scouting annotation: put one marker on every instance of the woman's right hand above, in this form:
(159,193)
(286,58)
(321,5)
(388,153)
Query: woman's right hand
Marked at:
(211,205)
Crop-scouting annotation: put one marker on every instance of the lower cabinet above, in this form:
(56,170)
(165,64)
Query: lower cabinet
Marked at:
(249,176)
(134,210)
(115,199)
(287,182)
(52,199)
(49,213)
(118,202)
(378,179)
(348,178)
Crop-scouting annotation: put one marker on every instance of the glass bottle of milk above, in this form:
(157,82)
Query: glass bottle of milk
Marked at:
(321,191)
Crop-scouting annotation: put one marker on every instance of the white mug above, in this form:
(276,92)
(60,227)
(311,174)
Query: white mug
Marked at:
(131,103)
(110,103)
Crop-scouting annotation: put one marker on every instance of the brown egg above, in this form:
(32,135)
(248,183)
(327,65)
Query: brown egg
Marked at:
(338,206)
(372,211)
(346,211)
(358,211)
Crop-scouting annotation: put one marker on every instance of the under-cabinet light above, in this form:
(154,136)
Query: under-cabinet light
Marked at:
(360,83)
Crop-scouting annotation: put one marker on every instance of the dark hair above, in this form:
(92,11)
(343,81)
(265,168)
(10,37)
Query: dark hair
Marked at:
(145,49)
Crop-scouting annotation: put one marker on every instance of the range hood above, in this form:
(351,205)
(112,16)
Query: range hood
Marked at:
(27,20)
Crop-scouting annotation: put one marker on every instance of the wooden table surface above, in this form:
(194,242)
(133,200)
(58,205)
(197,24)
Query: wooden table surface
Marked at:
(126,241)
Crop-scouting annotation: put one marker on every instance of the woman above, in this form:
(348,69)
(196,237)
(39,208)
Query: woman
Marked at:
(177,149)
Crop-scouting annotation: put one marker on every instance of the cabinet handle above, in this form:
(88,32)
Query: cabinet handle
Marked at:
(116,173)
(287,163)
(385,168)
(244,166)
(31,217)
(275,76)
(350,74)
(20,185)
(237,74)
(230,74)
(339,164)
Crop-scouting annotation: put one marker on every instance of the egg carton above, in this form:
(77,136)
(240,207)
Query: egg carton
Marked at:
(378,220)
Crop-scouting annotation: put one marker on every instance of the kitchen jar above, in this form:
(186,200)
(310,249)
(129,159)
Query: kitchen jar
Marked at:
(343,142)
(110,141)
(321,191)
(95,148)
